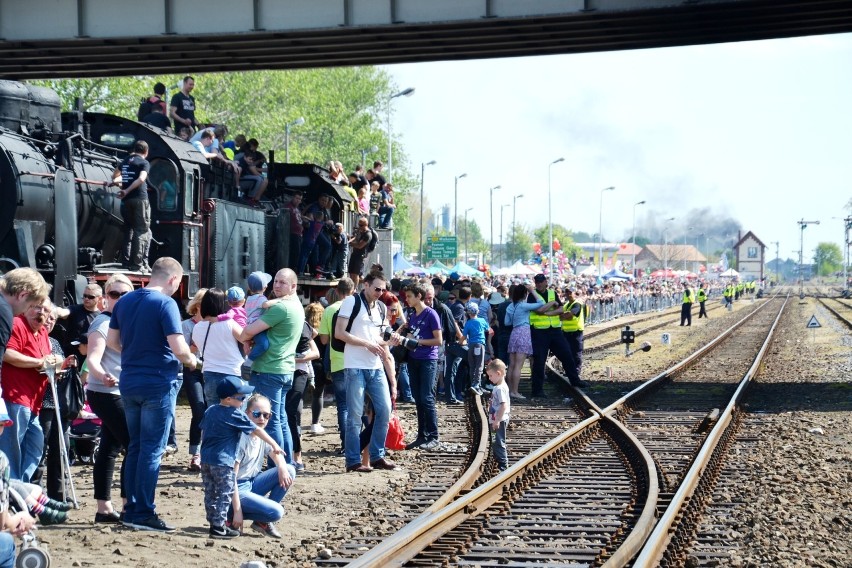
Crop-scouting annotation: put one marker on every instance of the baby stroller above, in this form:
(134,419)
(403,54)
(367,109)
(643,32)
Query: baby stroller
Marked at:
(85,436)
(32,554)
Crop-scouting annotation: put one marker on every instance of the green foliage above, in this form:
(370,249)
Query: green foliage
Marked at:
(519,243)
(471,234)
(642,241)
(828,259)
(584,237)
(560,233)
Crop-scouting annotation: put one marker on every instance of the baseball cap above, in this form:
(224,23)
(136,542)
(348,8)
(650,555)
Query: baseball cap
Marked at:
(540,278)
(231,386)
(235,293)
(258,281)
(471,308)
(5,420)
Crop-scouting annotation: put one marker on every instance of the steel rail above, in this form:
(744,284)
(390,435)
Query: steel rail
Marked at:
(843,319)
(409,541)
(660,538)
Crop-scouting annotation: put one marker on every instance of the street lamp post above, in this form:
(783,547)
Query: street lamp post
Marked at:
(465,233)
(298,122)
(686,236)
(847,224)
(422,174)
(491,221)
(665,249)
(502,253)
(456,208)
(550,216)
(633,261)
(777,267)
(514,210)
(366,151)
(404,93)
(803,224)
(600,229)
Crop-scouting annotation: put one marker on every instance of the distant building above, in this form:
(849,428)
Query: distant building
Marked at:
(749,256)
(675,257)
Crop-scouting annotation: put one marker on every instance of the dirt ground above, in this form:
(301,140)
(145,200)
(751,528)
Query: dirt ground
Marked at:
(318,505)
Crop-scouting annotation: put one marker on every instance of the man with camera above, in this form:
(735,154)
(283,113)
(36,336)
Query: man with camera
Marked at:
(361,325)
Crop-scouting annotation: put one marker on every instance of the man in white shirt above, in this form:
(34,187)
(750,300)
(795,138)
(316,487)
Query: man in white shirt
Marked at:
(364,371)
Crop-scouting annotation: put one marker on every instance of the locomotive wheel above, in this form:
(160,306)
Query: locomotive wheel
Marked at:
(33,558)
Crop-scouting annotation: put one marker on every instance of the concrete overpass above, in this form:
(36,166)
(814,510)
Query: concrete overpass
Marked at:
(96,38)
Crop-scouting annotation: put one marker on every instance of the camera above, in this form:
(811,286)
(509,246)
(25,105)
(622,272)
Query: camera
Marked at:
(406,342)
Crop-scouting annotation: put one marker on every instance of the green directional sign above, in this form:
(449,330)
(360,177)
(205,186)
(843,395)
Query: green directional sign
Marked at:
(441,247)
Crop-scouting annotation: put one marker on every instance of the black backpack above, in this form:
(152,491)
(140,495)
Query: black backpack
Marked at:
(146,107)
(374,240)
(339,344)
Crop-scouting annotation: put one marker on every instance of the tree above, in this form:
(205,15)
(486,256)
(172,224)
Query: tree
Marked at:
(519,243)
(471,233)
(828,259)
(560,233)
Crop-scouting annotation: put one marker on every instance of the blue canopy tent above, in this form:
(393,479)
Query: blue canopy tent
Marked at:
(400,264)
(616,274)
(466,270)
(415,271)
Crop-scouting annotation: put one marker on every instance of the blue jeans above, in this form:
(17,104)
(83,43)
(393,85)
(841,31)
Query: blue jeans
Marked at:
(452,355)
(256,505)
(339,382)
(211,383)
(274,387)
(374,383)
(149,418)
(403,383)
(23,443)
(261,345)
(385,216)
(499,446)
(424,374)
(7,550)
(172,441)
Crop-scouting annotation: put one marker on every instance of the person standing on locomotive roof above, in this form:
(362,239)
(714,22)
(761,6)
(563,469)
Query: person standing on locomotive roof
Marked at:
(135,207)
(182,106)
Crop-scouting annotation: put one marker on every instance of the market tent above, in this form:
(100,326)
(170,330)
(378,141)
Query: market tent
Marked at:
(465,269)
(616,274)
(591,270)
(415,271)
(439,266)
(400,264)
(729,273)
(521,269)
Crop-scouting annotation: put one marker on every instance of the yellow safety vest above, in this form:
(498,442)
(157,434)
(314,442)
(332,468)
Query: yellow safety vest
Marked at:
(577,323)
(539,321)
(687,296)
(729,291)
(702,295)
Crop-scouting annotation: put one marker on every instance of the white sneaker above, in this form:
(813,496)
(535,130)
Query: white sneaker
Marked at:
(317,429)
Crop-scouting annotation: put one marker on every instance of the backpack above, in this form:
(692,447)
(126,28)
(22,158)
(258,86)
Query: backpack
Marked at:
(339,344)
(374,240)
(146,107)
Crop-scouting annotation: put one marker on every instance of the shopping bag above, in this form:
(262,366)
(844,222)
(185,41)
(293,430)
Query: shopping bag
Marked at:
(396,437)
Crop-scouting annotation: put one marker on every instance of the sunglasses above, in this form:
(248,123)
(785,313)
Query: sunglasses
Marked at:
(259,414)
(90,297)
(241,397)
(115,294)
(379,290)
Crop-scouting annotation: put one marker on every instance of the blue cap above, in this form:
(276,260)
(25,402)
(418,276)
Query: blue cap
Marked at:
(231,386)
(258,281)
(235,293)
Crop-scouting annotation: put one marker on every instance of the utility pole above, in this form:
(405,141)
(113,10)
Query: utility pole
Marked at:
(802,225)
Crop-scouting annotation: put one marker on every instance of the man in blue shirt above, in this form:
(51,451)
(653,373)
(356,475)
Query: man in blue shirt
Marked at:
(145,328)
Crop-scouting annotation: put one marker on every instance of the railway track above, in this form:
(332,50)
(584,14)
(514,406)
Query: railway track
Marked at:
(591,495)
(841,309)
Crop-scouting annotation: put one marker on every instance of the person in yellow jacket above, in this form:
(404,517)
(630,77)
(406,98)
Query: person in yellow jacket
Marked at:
(573,316)
(686,305)
(702,298)
(728,294)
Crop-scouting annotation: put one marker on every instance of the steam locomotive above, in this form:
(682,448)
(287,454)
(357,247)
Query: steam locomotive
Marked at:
(59,215)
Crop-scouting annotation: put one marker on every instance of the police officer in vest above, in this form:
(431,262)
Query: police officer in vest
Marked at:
(546,334)
(686,306)
(728,294)
(702,297)
(573,322)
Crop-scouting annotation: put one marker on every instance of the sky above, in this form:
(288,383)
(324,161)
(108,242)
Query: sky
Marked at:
(758,133)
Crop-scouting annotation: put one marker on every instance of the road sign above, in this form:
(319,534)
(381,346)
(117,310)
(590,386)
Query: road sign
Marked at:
(813,323)
(442,248)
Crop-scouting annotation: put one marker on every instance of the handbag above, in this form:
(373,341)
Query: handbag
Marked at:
(71,395)
(396,437)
